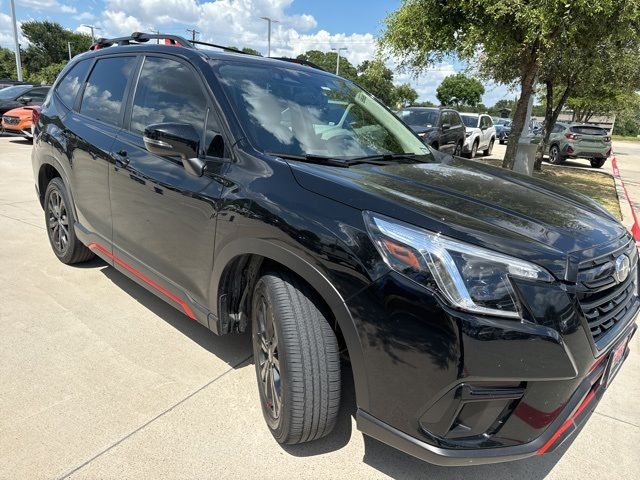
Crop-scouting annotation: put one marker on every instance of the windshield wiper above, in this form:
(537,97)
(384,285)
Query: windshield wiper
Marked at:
(379,159)
(309,158)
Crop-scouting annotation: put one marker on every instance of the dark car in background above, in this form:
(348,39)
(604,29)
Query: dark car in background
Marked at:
(481,313)
(503,129)
(440,128)
(22,95)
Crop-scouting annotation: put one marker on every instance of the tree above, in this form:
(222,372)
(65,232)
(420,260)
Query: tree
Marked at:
(514,40)
(459,90)
(7,63)
(48,74)
(327,61)
(48,44)
(377,78)
(249,50)
(404,95)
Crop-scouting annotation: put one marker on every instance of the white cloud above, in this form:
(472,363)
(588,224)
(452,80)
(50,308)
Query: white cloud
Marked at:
(85,17)
(47,5)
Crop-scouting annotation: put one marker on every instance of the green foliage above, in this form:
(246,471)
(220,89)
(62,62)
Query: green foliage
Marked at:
(46,75)
(376,78)
(459,90)
(48,44)
(7,64)
(249,50)
(328,60)
(518,40)
(405,95)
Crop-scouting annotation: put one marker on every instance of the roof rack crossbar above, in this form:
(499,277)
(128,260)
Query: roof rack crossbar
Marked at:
(140,37)
(229,49)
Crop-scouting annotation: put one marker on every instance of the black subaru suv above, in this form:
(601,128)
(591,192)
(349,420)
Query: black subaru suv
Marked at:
(481,319)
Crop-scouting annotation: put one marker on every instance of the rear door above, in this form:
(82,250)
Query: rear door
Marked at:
(91,130)
(163,217)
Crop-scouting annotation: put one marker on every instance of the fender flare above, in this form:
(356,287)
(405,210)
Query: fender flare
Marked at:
(305,268)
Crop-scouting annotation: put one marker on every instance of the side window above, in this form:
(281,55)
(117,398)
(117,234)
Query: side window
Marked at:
(489,121)
(168,91)
(68,88)
(557,129)
(103,95)
(36,95)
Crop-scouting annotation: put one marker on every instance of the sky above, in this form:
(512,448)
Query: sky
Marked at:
(303,25)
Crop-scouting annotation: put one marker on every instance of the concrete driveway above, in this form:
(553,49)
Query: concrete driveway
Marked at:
(100,379)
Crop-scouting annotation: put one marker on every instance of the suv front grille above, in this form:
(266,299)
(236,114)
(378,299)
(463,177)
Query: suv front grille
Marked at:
(606,302)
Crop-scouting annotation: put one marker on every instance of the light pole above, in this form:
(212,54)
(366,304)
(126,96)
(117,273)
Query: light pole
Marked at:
(193,32)
(269,22)
(338,60)
(15,39)
(92,28)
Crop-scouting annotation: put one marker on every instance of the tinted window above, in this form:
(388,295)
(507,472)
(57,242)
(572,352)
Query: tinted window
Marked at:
(423,118)
(10,93)
(168,91)
(36,95)
(68,88)
(455,119)
(488,121)
(470,121)
(557,129)
(102,98)
(584,130)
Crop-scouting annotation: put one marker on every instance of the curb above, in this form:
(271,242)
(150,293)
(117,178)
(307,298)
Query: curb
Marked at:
(629,217)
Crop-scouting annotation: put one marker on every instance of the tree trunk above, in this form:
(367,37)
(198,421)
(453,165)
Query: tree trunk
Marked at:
(529,70)
(550,118)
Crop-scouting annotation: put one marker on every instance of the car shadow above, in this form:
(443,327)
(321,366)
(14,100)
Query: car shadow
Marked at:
(234,349)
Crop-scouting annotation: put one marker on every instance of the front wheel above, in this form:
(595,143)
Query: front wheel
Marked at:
(59,220)
(554,155)
(597,162)
(297,360)
(458,151)
(474,150)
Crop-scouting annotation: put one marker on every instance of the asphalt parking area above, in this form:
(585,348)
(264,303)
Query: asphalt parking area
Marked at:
(101,379)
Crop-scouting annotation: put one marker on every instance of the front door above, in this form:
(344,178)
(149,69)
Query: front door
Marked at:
(164,218)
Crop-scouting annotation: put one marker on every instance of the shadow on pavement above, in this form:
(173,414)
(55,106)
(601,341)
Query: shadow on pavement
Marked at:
(232,349)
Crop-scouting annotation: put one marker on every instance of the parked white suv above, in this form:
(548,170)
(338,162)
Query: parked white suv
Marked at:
(481,134)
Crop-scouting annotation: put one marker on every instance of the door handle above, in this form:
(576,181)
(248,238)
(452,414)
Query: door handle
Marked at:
(122,160)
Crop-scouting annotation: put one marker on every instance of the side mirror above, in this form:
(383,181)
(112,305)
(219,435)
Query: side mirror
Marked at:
(25,100)
(446,126)
(171,139)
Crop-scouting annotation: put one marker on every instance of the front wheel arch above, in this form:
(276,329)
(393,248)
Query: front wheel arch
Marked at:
(258,252)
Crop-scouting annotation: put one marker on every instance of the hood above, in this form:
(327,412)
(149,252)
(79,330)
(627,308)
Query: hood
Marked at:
(473,202)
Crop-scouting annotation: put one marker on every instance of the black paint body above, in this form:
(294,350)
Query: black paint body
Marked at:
(447,386)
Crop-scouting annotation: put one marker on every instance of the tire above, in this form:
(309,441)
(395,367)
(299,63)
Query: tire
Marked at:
(474,150)
(597,162)
(59,220)
(488,151)
(458,150)
(554,155)
(294,346)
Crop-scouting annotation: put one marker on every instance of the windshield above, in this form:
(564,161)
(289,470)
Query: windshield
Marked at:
(301,112)
(420,118)
(9,93)
(469,121)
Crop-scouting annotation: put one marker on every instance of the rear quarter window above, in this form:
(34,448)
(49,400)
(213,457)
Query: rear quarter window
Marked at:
(68,88)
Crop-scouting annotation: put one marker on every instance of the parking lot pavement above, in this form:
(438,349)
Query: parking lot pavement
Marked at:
(101,379)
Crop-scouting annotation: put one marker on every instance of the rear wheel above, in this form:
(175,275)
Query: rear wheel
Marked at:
(554,155)
(296,358)
(59,219)
(597,162)
(489,149)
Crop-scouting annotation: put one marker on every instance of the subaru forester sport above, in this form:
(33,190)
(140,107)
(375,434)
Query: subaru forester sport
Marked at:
(482,319)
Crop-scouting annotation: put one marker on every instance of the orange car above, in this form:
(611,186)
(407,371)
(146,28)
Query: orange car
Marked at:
(21,120)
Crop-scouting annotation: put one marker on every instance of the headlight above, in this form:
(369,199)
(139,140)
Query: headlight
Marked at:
(470,278)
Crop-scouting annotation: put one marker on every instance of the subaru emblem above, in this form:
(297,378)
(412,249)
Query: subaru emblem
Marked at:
(623,266)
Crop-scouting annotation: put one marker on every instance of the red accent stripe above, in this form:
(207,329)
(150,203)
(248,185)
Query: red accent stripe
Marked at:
(144,278)
(563,428)
(635,228)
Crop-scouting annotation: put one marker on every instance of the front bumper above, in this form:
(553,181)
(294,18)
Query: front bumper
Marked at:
(458,389)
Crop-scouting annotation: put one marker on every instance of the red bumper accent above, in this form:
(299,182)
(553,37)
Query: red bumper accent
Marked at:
(144,278)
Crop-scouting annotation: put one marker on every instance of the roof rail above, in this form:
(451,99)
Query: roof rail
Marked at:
(137,38)
(299,62)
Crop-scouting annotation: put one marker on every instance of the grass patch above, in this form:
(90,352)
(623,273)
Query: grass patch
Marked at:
(596,185)
(625,138)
